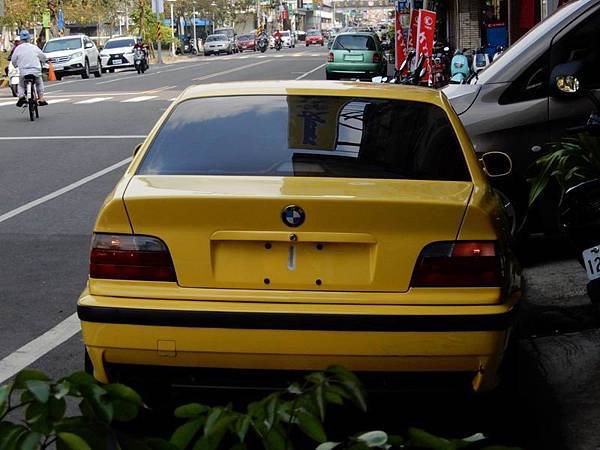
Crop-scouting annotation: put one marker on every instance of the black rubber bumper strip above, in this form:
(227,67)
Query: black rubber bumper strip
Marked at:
(290,321)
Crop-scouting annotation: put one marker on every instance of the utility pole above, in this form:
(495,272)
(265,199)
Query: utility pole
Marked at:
(158,7)
(194,25)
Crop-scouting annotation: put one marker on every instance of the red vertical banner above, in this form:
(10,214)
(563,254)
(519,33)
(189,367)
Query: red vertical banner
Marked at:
(412,32)
(425,33)
(400,45)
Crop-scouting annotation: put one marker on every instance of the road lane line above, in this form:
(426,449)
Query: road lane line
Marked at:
(46,138)
(311,71)
(143,98)
(34,350)
(12,102)
(57,100)
(93,100)
(225,72)
(27,206)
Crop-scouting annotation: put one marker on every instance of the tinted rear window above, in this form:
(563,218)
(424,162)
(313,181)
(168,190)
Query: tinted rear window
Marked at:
(120,43)
(354,42)
(307,136)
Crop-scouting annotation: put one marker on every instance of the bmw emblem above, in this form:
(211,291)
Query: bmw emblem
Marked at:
(293,216)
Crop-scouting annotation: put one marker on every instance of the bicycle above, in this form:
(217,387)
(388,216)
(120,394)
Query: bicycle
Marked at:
(31,95)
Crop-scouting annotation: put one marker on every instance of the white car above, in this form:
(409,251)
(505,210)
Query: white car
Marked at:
(218,43)
(73,55)
(117,53)
(288,39)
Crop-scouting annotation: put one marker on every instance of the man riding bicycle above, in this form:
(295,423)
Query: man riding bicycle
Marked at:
(29,58)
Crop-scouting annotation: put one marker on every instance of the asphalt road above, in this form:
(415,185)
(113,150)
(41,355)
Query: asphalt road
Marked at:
(55,173)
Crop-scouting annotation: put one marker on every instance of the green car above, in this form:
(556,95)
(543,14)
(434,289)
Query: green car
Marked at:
(355,55)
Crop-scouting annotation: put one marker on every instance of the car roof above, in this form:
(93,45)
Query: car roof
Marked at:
(356,33)
(322,88)
(218,35)
(62,38)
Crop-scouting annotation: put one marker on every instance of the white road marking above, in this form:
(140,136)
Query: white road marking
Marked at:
(143,98)
(310,71)
(34,350)
(244,57)
(113,80)
(93,100)
(47,138)
(61,191)
(225,72)
(278,56)
(57,100)
(12,102)
(263,56)
(173,99)
(297,54)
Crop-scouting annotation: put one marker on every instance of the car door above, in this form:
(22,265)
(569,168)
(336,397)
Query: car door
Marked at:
(576,47)
(91,51)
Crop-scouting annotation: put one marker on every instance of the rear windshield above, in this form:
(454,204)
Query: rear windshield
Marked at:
(354,42)
(300,136)
(120,43)
(246,37)
(314,33)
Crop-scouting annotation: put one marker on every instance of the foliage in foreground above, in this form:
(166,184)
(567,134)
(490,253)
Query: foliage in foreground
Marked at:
(33,416)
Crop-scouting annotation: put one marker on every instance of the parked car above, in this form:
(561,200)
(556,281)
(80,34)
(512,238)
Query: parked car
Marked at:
(355,55)
(300,35)
(231,35)
(246,42)
(314,37)
(117,53)
(217,44)
(300,276)
(73,55)
(514,106)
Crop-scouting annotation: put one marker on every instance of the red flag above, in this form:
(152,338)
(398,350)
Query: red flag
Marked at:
(412,35)
(400,45)
(425,33)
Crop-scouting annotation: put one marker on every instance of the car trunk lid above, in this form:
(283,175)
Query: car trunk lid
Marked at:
(358,234)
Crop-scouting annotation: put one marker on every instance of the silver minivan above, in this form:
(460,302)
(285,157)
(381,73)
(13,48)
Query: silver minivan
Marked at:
(514,106)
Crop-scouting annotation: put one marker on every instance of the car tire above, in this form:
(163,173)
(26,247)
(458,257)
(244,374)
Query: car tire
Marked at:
(58,77)
(98,72)
(104,70)
(86,70)
(321,44)
(330,76)
(111,70)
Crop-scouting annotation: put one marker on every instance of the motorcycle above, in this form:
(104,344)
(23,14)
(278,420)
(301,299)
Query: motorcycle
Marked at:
(580,215)
(480,60)
(404,74)
(459,68)
(186,47)
(278,44)
(499,50)
(13,78)
(439,66)
(263,43)
(140,61)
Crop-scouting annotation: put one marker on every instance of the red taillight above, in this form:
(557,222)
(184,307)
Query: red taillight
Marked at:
(129,257)
(459,264)
(330,57)
(376,57)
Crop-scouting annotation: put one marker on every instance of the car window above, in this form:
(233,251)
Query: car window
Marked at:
(530,85)
(216,37)
(118,43)
(314,33)
(315,136)
(62,44)
(354,42)
(581,47)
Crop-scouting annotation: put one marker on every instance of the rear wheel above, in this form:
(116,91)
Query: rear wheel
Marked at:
(111,70)
(13,90)
(98,72)
(330,76)
(31,105)
(86,70)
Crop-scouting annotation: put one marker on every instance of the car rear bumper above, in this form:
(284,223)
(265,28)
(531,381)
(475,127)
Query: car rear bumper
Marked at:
(225,335)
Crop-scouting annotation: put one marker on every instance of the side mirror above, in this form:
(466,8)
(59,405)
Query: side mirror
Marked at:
(496,164)
(89,45)
(137,148)
(564,79)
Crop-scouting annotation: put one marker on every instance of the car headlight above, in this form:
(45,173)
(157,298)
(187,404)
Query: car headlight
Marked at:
(76,55)
(103,54)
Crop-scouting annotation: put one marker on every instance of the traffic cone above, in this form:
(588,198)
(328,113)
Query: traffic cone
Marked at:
(51,75)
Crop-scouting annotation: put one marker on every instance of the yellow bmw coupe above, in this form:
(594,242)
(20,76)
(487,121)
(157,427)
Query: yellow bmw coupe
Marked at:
(289,226)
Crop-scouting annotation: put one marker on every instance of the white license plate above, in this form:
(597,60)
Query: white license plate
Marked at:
(117,61)
(58,67)
(591,259)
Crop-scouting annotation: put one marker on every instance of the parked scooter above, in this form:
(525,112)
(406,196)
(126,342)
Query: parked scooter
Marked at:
(480,60)
(13,78)
(499,50)
(440,63)
(580,216)
(140,61)
(459,68)
(404,74)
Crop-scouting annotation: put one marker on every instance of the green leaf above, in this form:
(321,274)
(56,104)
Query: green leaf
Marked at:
(294,389)
(275,440)
(39,389)
(4,391)
(212,419)
(36,417)
(29,441)
(351,385)
(27,375)
(61,389)
(81,379)
(328,445)
(241,427)
(271,409)
(373,438)
(395,440)
(10,434)
(320,401)
(124,411)
(159,444)
(56,408)
(185,433)
(73,442)
(99,401)
(332,397)
(311,426)
(123,392)
(423,439)
(191,410)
